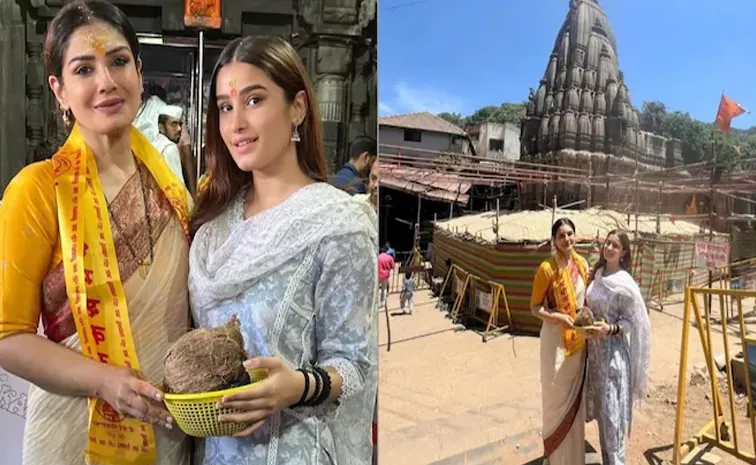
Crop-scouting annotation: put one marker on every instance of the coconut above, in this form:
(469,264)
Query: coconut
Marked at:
(584,317)
(206,359)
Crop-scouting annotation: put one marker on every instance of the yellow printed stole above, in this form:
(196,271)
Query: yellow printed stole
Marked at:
(566,301)
(95,291)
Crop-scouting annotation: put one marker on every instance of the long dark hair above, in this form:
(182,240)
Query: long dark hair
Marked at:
(626,262)
(70,18)
(75,15)
(559,223)
(278,59)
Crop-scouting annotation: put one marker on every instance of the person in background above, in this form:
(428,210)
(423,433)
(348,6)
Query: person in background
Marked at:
(390,250)
(407,296)
(371,197)
(169,126)
(385,267)
(362,155)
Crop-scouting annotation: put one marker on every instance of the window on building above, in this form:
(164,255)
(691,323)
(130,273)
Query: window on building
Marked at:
(413,135)
(496,145)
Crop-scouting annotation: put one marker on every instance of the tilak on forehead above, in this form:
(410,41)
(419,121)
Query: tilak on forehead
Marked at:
(100,39)
(232,84)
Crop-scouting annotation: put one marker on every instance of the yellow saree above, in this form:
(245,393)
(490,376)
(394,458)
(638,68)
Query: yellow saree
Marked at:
(69,249)
(562,362)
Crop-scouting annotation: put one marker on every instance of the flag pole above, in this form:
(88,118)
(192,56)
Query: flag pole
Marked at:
(711,195)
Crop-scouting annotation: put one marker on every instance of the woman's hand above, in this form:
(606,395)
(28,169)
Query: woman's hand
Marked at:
(130,394)
(282,388)
(598,330)
(562,319)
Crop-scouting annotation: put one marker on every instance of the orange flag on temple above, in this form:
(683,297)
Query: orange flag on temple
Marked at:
(728,109)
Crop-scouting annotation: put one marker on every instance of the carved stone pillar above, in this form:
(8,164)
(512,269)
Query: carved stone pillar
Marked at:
(13,150)
(342,70)
(35,118)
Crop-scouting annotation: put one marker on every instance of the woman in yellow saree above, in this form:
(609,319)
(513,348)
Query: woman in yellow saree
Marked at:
(94,244)
(558,293)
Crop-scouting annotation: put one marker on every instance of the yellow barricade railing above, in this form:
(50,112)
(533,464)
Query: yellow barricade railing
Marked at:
(472,282)
(722,430)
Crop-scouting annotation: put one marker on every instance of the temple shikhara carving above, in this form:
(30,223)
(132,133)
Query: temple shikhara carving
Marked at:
(581,114)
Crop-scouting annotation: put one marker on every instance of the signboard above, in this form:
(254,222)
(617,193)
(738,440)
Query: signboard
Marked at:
(202,13)
(13,394)
(483,300)
(751,349)
(456,284)
(712,254)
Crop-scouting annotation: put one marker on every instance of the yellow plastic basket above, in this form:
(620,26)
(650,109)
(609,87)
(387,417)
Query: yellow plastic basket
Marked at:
(197,414)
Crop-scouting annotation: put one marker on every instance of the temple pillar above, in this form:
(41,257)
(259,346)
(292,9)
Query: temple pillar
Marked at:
(13,145)
(342,67)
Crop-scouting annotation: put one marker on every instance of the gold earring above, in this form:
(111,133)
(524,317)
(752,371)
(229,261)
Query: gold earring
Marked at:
(67,116)
(295,136)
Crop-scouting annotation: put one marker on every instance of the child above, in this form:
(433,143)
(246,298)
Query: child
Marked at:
(407,296)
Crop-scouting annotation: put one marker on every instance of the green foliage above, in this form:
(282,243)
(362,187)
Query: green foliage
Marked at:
(699,140)
(505,113)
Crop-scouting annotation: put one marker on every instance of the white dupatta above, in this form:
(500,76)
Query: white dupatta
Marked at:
(622,283)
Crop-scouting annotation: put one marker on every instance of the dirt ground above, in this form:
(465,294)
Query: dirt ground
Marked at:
(447,398)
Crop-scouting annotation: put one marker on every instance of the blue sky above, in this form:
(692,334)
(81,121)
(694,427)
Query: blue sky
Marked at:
(459,55)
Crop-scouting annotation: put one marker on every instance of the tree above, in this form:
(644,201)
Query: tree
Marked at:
(652,116)
(699,140)
(505,113)
(453,118)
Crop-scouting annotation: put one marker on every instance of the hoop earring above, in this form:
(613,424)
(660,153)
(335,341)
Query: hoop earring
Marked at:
(295,136)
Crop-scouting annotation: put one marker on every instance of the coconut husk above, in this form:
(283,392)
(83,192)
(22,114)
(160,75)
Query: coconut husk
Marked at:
(584,317)
(207,359)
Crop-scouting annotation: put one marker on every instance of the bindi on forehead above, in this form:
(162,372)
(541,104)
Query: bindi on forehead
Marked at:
(232,86)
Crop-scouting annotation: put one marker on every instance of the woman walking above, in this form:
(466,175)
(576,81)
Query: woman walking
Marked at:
(619,347)
(558,293)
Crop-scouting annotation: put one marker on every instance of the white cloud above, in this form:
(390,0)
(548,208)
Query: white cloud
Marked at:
(407,98)
(385,109)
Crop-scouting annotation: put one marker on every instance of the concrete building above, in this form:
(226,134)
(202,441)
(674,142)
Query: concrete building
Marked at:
(421,135)
(495,140)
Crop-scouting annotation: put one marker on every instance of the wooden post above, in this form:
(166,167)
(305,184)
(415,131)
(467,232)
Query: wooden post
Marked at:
(496,229)
(590,182)
(451,210)
(658,211)
(637,200)
(553,210)
(544,193)
(606,192)
(711,207)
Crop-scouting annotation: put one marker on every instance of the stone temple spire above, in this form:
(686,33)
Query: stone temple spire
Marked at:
(582,102)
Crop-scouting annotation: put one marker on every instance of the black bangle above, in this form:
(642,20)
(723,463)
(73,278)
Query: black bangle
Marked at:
(326,392)
(306,388)
(318,388)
